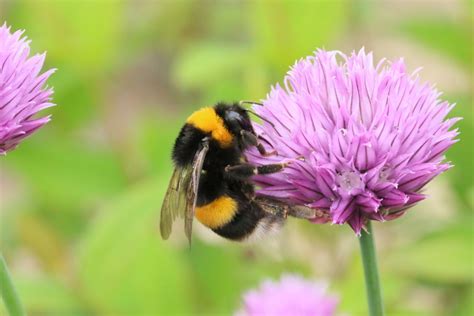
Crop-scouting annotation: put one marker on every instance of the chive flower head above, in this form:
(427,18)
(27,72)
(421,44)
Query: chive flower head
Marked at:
(22,89)
(292,295)
(364,139)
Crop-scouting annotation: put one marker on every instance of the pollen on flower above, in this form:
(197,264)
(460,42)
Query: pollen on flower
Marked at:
(350,182)
(372,136)
(384,173)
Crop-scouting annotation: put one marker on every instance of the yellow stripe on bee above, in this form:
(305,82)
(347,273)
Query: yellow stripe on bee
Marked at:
(207,120)
(217,213)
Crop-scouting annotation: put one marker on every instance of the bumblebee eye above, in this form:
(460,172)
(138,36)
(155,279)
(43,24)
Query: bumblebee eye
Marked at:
(233,116)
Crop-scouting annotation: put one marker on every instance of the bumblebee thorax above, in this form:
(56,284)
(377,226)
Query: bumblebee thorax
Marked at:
(207,120)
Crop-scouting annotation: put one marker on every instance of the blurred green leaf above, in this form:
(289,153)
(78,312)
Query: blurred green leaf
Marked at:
(462,152)
(204,64)
(47,296)
(82,41)
(224,273)
(124,267)
(440,34)
(75,98)
(351,287)
(443,256)
(284,31)
(67,173)
(155,144)
(84,35)
(465,303)
(397,287)
(166,25)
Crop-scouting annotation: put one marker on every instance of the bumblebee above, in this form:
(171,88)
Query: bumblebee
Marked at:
(212,178)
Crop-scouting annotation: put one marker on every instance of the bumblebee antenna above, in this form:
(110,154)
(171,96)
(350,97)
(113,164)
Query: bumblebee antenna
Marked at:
(257,115)
(265,140)
(260,117)
(250,102)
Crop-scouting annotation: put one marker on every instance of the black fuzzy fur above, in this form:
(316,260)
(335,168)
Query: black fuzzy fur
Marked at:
(214,181)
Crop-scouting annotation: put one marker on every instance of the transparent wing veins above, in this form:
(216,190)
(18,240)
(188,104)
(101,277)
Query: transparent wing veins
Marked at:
(193,187)
(174,203)
(181,196)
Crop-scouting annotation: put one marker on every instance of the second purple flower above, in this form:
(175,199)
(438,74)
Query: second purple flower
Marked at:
(368,137)
(22,89)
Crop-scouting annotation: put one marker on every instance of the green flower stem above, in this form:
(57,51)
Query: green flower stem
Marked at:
(8,292)
(372,283)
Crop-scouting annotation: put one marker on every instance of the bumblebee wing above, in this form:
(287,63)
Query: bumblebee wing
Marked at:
(192,191)
(174,203)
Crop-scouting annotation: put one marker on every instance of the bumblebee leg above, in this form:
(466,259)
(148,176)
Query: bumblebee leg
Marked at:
(300,211)
(314,214)
(272,168)
(273,207)
(250,139)
(283,210)
(242,171)
(247,170)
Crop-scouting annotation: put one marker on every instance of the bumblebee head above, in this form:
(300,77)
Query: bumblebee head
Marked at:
(235,117)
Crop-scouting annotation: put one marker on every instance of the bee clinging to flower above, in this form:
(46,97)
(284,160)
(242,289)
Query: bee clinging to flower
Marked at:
(212,177)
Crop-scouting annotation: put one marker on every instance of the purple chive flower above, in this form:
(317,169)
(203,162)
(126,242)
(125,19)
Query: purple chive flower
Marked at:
(22,91)
(291,296)
(368,138)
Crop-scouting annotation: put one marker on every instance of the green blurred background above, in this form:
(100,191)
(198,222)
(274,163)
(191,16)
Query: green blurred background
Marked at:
(80,199)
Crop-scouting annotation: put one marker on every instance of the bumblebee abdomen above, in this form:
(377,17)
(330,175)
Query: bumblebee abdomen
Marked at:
(217,213)
(249,221)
